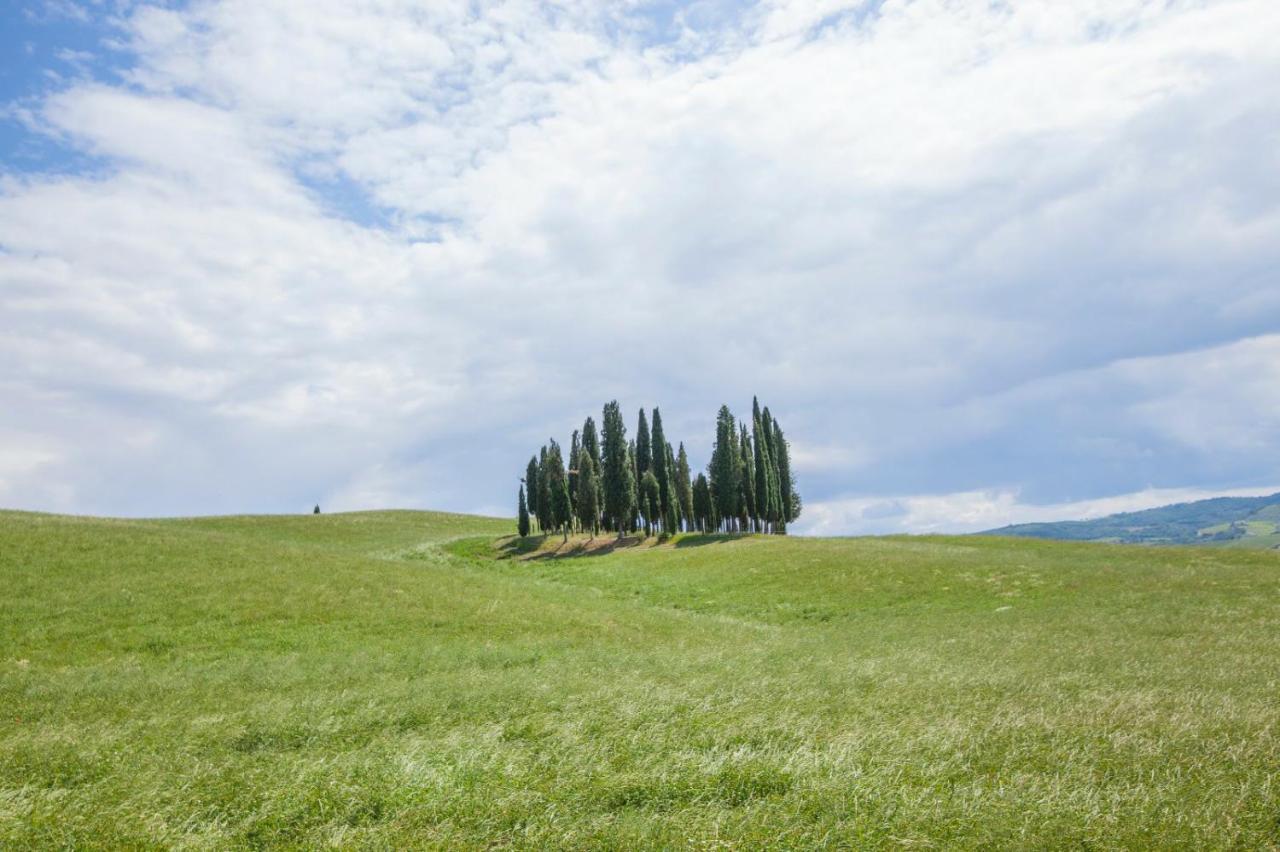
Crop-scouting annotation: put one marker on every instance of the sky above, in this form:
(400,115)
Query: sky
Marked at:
(987,262)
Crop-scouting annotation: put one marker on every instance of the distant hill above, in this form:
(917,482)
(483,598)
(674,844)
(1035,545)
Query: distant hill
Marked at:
(1252,522)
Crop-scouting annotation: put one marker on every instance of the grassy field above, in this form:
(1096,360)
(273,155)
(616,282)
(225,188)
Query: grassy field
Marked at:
(403,679)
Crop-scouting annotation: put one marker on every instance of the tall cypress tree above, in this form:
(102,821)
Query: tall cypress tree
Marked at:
(636,496)
(786,484)
(703,509)
(546,520)
(561,505)
(684,487)
(644,449)
(766,476)
(747,508)
(588,502)
(591,442)
(617,477)
(671,519)
(649,499)
(522,515)
(531,483)
(661,470)
(726,467)
(574,449)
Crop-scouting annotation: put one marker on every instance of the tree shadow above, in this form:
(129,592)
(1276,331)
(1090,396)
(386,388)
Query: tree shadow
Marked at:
(514,546)
(703,539)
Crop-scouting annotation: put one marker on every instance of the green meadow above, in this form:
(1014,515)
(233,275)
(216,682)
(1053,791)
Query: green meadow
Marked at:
(398,680)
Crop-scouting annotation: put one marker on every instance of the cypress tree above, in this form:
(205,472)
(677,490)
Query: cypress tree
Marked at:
(636,508)
(561,505)
(522,515)
(591,442)
(546,520)
(531,484)
(671,520)
(775,495)
(747,509)
(574,449)
(661,470)
(649,500)
(617,478)
(786,484)
(684,487)
(644,449)
(766,477)
(588,502)
(703,510)
(726,465)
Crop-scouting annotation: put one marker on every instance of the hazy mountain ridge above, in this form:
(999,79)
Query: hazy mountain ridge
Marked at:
(1223,521)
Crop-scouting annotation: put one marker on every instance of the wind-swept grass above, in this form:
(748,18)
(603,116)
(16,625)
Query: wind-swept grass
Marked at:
(407,679)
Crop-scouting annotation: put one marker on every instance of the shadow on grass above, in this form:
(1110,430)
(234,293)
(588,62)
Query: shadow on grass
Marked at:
(599,546)
(549,546)
(703,539)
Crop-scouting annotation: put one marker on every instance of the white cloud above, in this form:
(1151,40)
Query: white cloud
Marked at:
(939,238)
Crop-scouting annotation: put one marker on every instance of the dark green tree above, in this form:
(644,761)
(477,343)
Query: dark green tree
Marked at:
(531,484)
(671,519)
(558,485)
(574,449)
(703,509)
(649,501)
(588,502)
(786,483)
(591,442)
(522,515)
(684,487)
(633,521)
(644,449)
(747,507)
(661,469)
(726,467)
(617,478)
(767,499)
(546,518)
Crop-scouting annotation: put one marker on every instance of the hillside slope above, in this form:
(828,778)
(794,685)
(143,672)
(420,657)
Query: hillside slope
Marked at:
(406,680)
(1222,521)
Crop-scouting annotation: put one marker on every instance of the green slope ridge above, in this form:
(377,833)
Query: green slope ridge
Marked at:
(1221,521)
(404,680)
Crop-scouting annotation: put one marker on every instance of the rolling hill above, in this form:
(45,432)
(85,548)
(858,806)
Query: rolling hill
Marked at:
(417,680)
(1250,522)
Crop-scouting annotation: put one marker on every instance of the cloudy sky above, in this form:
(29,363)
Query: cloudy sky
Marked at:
(986,261)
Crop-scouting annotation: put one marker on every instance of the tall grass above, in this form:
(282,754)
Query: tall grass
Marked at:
(398,680)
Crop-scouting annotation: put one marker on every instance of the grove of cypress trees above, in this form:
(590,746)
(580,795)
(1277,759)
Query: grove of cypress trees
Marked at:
(619,485)
(522,515)
(684,487)
(617,479)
